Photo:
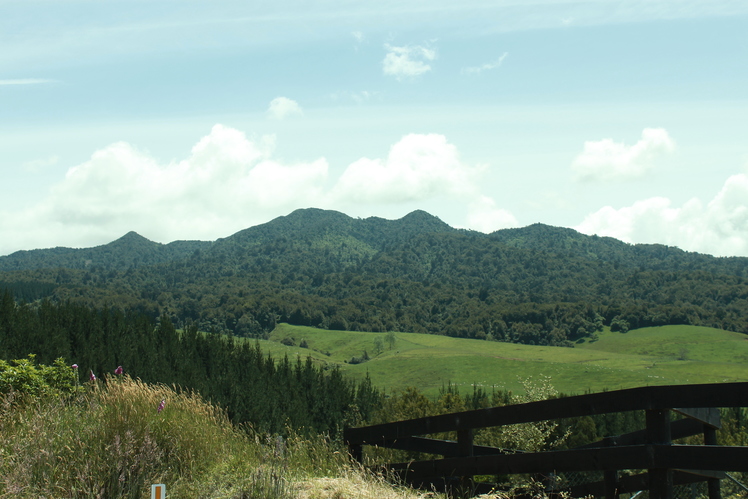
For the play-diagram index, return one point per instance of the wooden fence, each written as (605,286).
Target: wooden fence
(650,449)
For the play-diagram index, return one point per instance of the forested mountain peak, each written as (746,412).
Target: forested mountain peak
(560,240)
(308,222)
(555,237)
(130,250)
(415,223)
(317,224)
(425,220)
(132,240)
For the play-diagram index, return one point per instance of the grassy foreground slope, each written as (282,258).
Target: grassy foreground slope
(648,356)
(113,438)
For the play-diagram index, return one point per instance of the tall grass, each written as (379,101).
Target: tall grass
(110,441)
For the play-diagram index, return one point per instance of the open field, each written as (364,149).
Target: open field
(680,342)
(649,356)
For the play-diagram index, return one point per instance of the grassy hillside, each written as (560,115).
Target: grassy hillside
(648,356)
(677,342)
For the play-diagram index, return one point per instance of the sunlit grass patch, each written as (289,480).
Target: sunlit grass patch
(649,356)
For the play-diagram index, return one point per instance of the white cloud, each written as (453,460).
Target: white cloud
(719,228)
(359,36)
(485,216)
(605,160)
(227,183)
(418,167)
(487,66)
(407,61)
(283,107)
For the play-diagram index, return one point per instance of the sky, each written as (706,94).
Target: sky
(181,119)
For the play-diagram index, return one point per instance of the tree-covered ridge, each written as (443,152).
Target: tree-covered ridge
(562,241)
(131,250)
(537,285)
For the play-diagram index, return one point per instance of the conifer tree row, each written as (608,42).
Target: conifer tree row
(232,372)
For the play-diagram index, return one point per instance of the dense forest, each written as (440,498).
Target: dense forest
(232,373)
(535,285)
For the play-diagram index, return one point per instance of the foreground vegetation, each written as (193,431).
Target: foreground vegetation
(113,438)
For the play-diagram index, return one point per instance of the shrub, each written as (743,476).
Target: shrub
(360,360)
(619,324)
(25,377)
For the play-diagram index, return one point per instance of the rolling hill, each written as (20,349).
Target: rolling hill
(648,356)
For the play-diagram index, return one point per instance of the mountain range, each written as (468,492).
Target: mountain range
(133,250)
(537,284)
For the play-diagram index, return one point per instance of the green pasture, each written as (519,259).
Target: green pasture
(676,342)
(649,356)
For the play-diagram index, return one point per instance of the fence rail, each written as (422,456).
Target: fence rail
(650,449)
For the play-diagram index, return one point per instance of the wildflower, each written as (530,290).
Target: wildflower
(74,366)
(92,376)
(161,405)
(119,370)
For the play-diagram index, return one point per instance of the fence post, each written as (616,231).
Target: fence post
(465,449)
(710,438)
(356,452)
(465,443)
(658,432)
(610,476)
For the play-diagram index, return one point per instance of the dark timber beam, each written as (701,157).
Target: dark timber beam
(683,457)
(643,398)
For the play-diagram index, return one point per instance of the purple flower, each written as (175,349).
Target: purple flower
(119,370)
(161,405)
(92,376)
(74,366)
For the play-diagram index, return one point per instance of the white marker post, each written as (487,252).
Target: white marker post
(158,491)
